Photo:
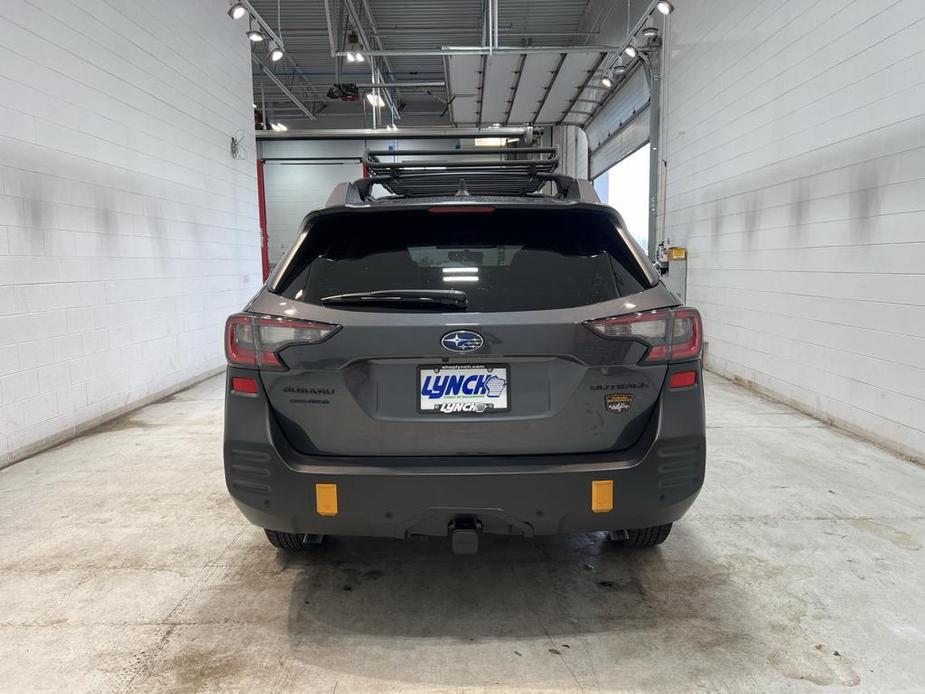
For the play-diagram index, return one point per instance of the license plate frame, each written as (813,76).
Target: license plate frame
(468,369)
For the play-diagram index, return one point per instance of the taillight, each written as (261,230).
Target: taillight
(686,334)
(256,340)
(672,334)
(240,344)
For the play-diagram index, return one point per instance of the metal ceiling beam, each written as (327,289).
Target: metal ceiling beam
(510,106)
(330,27)
(555,75)
(485,50)
(449,88)
(412,132)
(283,88)
(400,85)
(373,29)
(508,31)
(368,51)
(478,120)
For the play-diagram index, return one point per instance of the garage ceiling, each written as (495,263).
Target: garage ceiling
(548,52)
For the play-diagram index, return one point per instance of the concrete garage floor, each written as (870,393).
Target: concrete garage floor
(124,566)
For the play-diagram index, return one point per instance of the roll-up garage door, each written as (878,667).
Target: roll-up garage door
(298,178)
(621,126)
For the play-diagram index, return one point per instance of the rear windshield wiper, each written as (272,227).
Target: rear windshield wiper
(442,298)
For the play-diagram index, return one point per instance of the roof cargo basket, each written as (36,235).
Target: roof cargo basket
(495,171)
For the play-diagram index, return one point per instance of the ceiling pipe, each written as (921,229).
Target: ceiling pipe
(330,27)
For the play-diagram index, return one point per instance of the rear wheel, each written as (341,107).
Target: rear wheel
(643,537)
(292,542)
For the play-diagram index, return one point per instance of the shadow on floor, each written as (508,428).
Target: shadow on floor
(513,588)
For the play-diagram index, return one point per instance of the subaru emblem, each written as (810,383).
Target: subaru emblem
(462,341)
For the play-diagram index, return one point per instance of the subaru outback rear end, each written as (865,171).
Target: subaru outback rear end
(464,364)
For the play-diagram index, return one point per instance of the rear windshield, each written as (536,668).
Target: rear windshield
(505,260)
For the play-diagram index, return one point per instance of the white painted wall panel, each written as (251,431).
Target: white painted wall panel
(127,231)
(796,178)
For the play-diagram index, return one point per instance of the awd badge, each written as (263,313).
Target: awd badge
(618,402)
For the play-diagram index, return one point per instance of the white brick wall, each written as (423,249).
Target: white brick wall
(127,231)
(796,178)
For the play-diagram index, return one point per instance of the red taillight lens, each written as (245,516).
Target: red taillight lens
(240,343)
(275,333)
(255,340)
(672,335)
(248,386)
(686,334)
(683,379)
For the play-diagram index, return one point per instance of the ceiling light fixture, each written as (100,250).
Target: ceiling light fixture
(619,68)
(375,100)
(630,51)
(237,10)
(650,31)
(359,57)
(351,58)
(278,127)
(664,7)
(255,35)
(607,80)
(275,52)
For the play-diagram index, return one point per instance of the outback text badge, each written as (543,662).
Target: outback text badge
(618,402)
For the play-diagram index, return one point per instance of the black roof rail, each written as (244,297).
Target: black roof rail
(516,171)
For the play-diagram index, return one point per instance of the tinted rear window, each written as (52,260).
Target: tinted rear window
(506,260)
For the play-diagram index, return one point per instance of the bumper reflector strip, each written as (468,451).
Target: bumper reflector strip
(602,496)
(683,379)
(248,386)
(326,499)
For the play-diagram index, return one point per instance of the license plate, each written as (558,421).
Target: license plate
(463,389)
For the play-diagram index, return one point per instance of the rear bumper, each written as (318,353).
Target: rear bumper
(654,482)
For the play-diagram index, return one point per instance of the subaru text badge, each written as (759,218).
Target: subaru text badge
(462,341)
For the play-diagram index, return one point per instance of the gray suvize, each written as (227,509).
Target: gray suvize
(435,363)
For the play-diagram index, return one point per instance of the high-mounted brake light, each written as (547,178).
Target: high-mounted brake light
(461,209)
(672,334)
(256,340)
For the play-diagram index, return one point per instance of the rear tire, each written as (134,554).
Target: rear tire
(645,537)
(292,542)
